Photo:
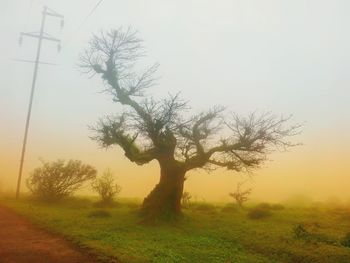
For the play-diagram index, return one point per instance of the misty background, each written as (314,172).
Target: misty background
(287,57)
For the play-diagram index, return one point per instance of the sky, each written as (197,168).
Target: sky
(287,57)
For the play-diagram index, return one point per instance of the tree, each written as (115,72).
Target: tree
(106,187)
(56,180)
(241,196)
(160,130)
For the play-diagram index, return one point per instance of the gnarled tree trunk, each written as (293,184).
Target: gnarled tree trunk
(164,201)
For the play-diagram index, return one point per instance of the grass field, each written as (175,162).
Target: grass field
(207,233)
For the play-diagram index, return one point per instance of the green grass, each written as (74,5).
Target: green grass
(207,233)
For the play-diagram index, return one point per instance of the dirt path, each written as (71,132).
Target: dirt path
(23,242)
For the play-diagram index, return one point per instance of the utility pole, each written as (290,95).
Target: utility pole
(40,36)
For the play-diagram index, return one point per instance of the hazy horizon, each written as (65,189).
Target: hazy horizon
(287,57)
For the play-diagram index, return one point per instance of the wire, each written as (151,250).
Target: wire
(83,22)
(28,15)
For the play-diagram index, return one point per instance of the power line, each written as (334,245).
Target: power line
(83,22)
(28,15)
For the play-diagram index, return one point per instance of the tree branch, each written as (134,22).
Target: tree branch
(250,141)
(112,131)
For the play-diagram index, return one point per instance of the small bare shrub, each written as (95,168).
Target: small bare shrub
(106,187)
(186,198)
(241,196)
(56,180)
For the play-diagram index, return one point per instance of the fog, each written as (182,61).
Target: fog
(287,57)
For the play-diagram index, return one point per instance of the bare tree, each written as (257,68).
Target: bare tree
(158,130)
(241,196)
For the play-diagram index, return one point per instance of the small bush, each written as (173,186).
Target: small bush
(56,180)
(99,214)
(106,187)
(346,240)
(259,212)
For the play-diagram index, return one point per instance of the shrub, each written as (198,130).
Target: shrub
(99,213)
(346,240)
(259,212)
(56,180)
(106,187)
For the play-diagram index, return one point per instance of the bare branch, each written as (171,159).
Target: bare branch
(111,131)
(135,85)
(196,134)
(251,140)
